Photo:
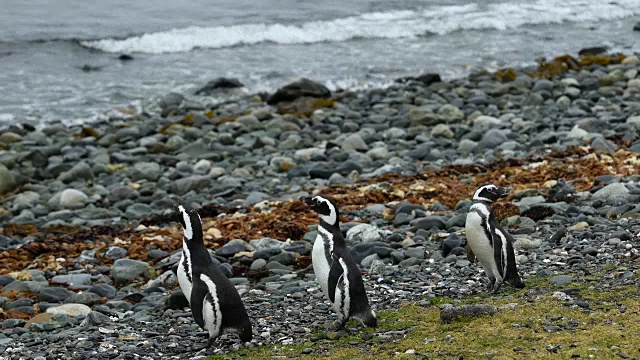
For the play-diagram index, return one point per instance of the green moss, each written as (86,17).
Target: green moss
(440,300)
(611,326)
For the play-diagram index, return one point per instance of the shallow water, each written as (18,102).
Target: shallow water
(180,46)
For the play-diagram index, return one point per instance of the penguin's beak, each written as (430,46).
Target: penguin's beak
(503,192)
(307,200)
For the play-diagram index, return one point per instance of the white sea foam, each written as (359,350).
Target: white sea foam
(6,117)
(392,24)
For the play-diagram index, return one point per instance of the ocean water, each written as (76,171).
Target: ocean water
(179,46)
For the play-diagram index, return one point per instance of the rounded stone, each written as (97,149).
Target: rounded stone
(72,310)
(73,199)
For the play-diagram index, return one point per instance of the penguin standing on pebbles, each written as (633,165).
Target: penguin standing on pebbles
(335,269)
(215,302)
(491,244)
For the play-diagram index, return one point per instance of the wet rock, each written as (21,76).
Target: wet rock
(428,79)
(218,84)
(171,100)
(300,88)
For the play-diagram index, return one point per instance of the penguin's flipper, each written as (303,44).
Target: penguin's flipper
(335,273)
(198,295)
(511,276)
(498,253)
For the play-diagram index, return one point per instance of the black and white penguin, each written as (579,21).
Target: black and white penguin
(335,269)
(215,302)
(490,243)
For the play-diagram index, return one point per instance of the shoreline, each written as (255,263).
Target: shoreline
(401,163)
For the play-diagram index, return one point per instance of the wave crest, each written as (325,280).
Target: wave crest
(438,20)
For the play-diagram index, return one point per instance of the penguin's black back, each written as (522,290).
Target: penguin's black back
(359,302)
(234,314)
(511,274)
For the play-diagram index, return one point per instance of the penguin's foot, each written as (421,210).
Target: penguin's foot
(497,287)
(339,324)
(210,342)
(491,284)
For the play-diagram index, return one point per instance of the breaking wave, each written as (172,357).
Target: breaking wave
(437,20)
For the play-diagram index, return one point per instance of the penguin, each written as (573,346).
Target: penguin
(489,242)
(215,302)
(336,271)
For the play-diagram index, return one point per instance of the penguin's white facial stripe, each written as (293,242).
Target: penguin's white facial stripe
(332,216)
(214,324)
(188,229)
(477,195)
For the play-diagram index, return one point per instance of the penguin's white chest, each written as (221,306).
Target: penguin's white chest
(478,241)
(211,308)
(321,266)
(183,278)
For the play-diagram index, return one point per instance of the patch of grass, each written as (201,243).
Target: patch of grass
(537,282)
(440,300)
(521,332)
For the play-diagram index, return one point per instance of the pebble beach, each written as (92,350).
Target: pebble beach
(89,235)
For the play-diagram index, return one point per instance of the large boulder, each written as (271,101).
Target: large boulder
(297,89)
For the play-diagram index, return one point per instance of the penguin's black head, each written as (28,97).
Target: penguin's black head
(191,223)
(324,206)
(490,193)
